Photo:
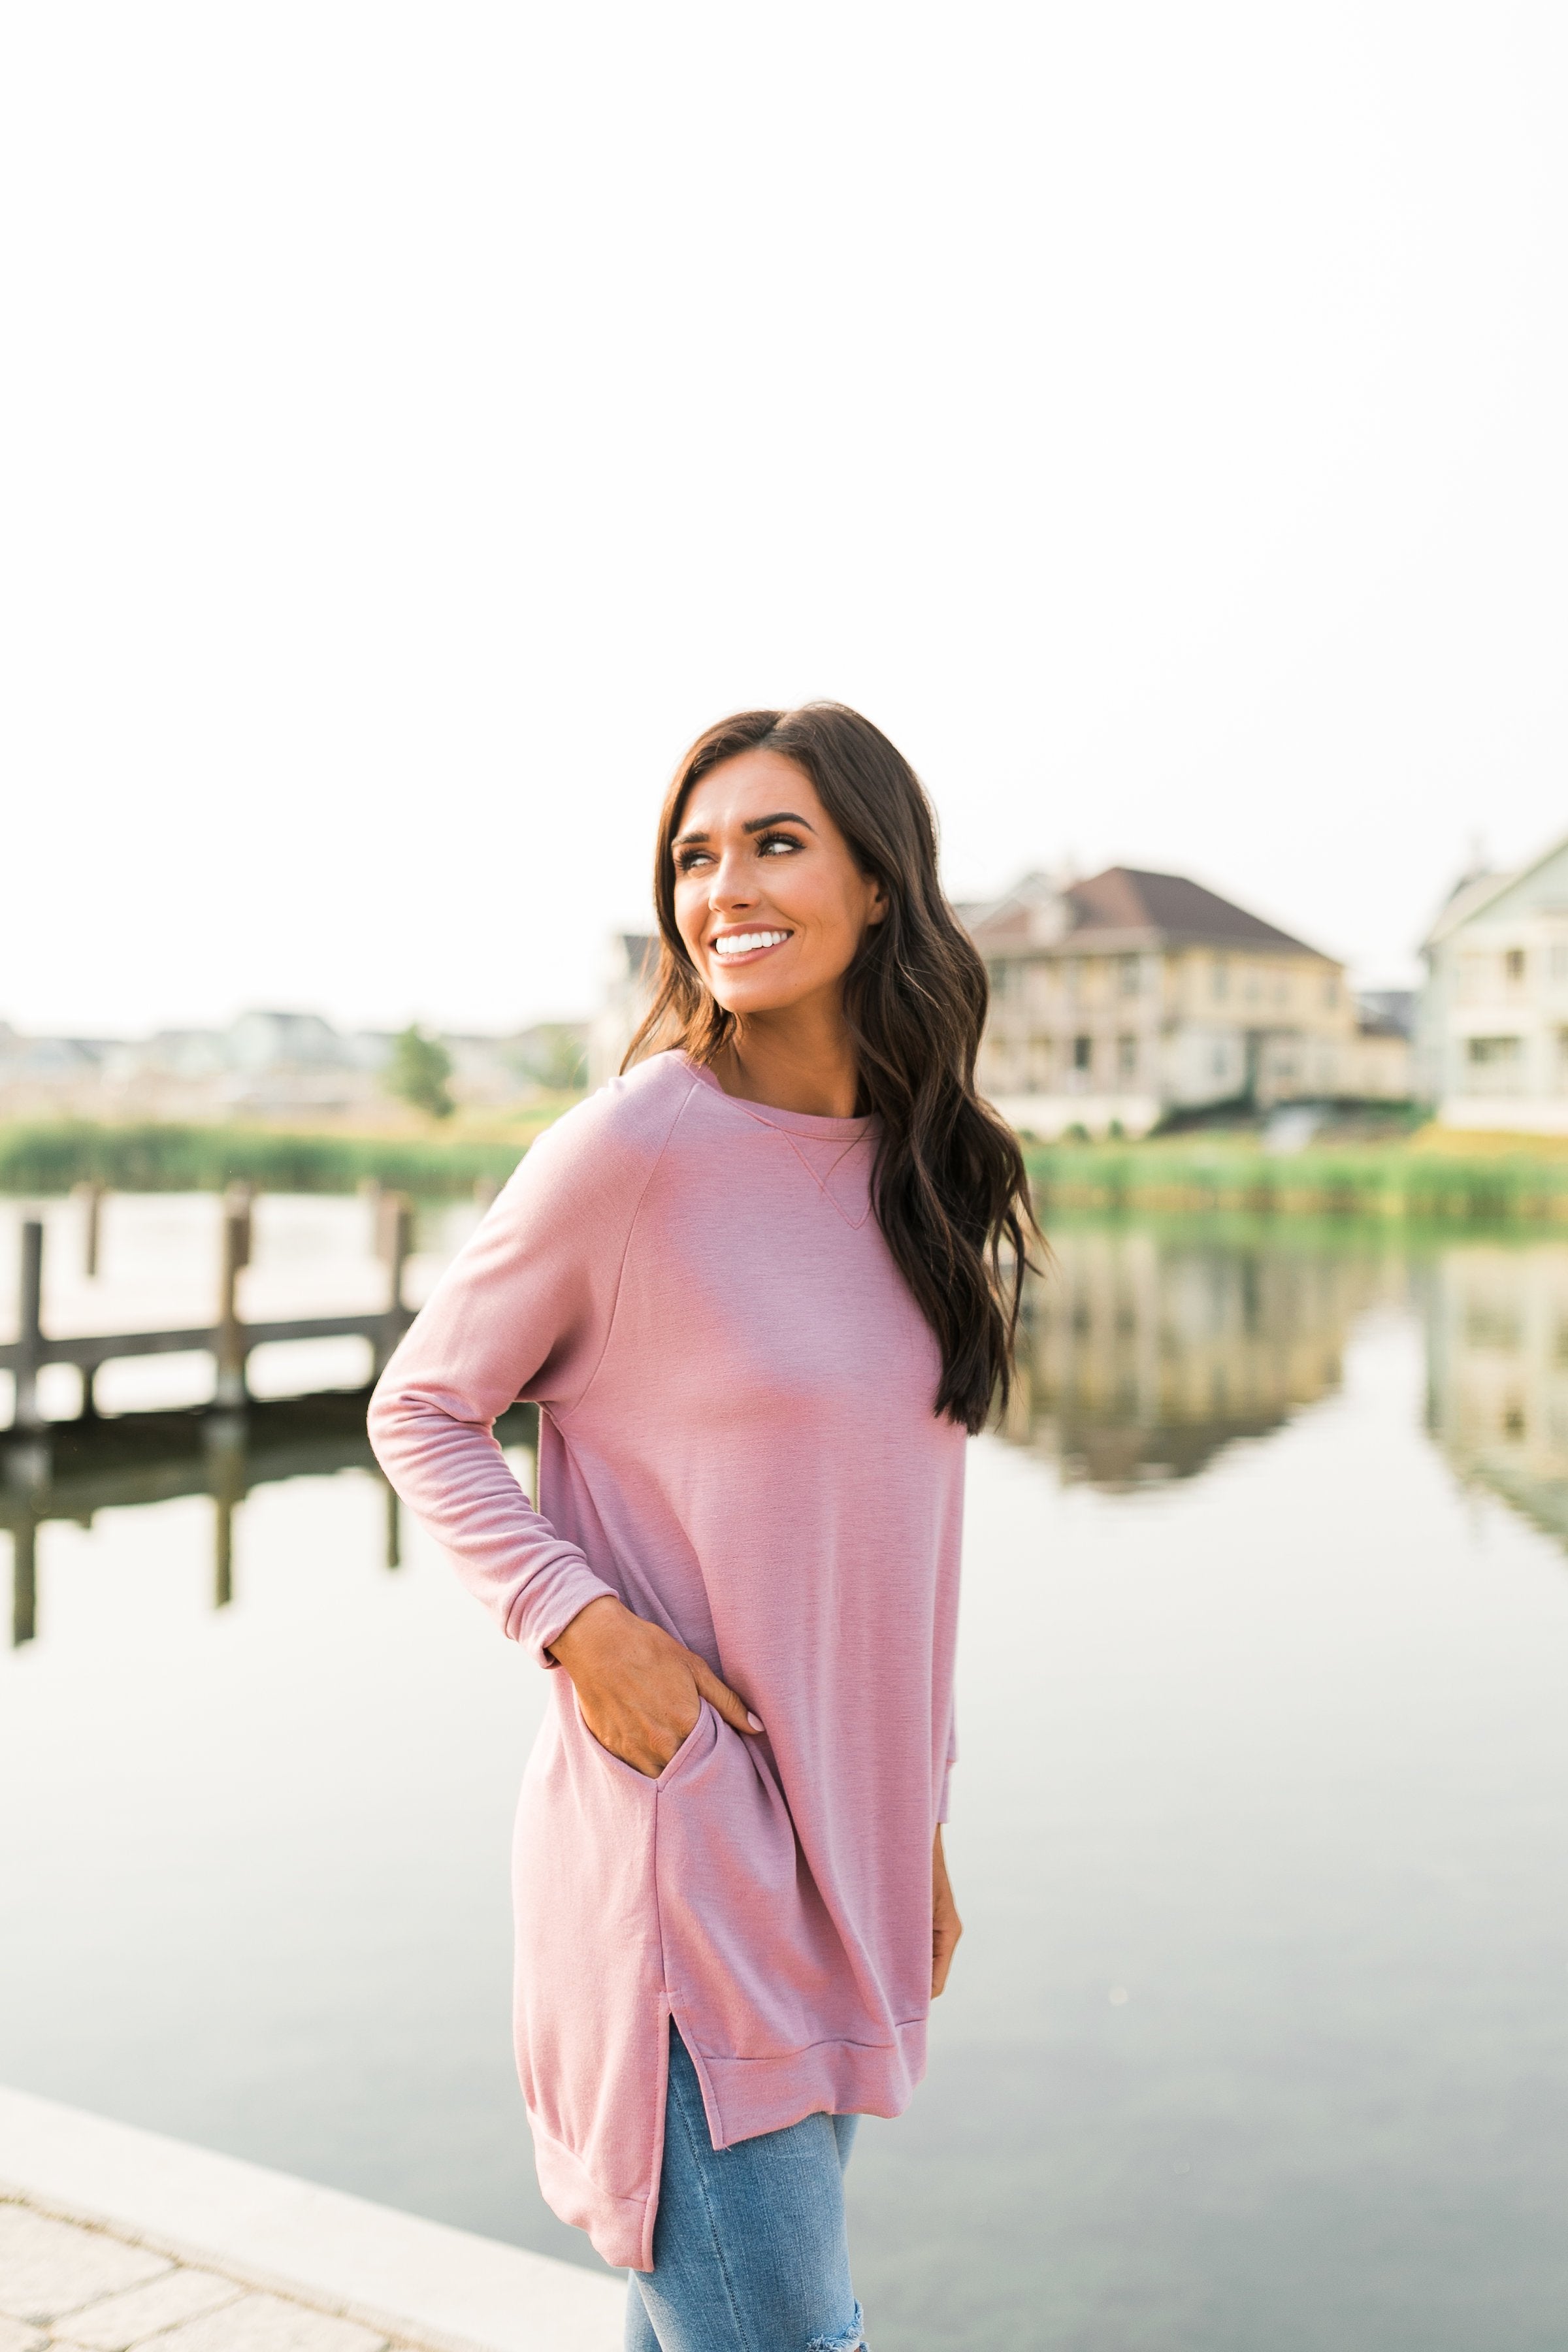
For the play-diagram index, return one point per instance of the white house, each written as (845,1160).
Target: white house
(630,962)
(1493,1026)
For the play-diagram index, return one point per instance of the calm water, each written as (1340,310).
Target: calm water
(1259,2034)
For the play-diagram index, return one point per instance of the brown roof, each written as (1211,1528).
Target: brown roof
(1124,898)
(1136,908)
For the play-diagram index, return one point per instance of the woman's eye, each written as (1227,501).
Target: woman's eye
(689,860)
(773,842)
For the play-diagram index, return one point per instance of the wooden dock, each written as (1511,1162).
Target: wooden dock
(228,1341)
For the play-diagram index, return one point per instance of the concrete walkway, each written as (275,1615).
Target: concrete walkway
(112,2237)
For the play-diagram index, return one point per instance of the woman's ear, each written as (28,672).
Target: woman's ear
(877,906)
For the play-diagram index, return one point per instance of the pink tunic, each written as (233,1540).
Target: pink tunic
(737,1438)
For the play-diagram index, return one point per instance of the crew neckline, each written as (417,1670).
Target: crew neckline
(793,1123)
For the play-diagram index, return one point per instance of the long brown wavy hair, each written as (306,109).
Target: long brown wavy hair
(950,1188)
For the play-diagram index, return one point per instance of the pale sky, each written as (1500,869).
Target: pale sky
(418,421)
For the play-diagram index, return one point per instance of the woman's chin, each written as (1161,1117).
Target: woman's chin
(747,994)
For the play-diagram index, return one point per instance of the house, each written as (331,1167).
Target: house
(1119,999)
(629,967)
(1492,1032)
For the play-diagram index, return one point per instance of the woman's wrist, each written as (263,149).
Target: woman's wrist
(581,1634)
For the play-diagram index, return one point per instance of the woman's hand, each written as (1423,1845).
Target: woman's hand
(946,1927)
(640,1690)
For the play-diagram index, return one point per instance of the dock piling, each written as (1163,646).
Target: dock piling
(26,1414)
(25,1584)
(224,1443)
(90,1195)
(398,1244)
(229,1389)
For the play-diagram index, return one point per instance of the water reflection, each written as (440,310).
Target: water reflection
(1147,1349)
(1255,1821)
(76,1469)
(1497,1356)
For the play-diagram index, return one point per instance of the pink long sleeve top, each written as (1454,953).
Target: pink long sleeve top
(737,1438)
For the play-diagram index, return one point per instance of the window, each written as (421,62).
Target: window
(1082,1053)
(1331,990)
(1495,1065)
(1221,977)
(1513,967)
(1557,959)
(1127,1057)
(1001,979)
(1131,974)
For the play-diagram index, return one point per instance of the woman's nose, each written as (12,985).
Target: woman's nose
(732,884)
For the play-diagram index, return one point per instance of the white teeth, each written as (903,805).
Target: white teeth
(740,943)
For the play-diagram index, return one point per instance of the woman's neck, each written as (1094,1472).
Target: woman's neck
(799,1063)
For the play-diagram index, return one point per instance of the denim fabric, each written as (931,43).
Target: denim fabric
(749,2250)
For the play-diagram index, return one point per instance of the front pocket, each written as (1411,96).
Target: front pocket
(647,1780)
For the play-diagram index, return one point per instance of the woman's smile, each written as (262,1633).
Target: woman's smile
(746,947)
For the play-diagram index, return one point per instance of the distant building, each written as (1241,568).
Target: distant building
(1119,999)
(630,963)
(271,1064)
(1492,1034)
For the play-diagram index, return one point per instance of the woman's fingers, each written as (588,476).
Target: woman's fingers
(721,1697)
(944,1936)
(639,1688)
(946,1927)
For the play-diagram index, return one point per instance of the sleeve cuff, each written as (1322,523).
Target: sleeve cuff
(545,1616)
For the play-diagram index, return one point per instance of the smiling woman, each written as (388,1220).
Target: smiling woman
(755,1287)
(810,957)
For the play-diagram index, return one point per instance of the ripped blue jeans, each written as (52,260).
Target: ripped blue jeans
(750,2253)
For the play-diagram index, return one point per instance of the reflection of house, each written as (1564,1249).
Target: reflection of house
(1494,1012)
(1117,999)
(629,968)
(1497,1352)
(1143,1354)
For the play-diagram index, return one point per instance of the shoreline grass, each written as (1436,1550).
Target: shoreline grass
(1432,1178)
(1407,1182)
(42,1158)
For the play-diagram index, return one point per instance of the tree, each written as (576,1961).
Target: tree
(418,1071)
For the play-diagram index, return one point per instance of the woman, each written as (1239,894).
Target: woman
(756,1286)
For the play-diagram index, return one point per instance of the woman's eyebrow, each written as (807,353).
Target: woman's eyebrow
(754,824)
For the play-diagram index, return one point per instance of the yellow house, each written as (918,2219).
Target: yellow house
(1119,998)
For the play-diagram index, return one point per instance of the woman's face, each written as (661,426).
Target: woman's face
(768,899)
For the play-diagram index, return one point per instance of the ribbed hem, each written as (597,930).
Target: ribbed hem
(743,2096)
(618,2228)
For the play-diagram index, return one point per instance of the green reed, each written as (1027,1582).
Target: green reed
(51,1157)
